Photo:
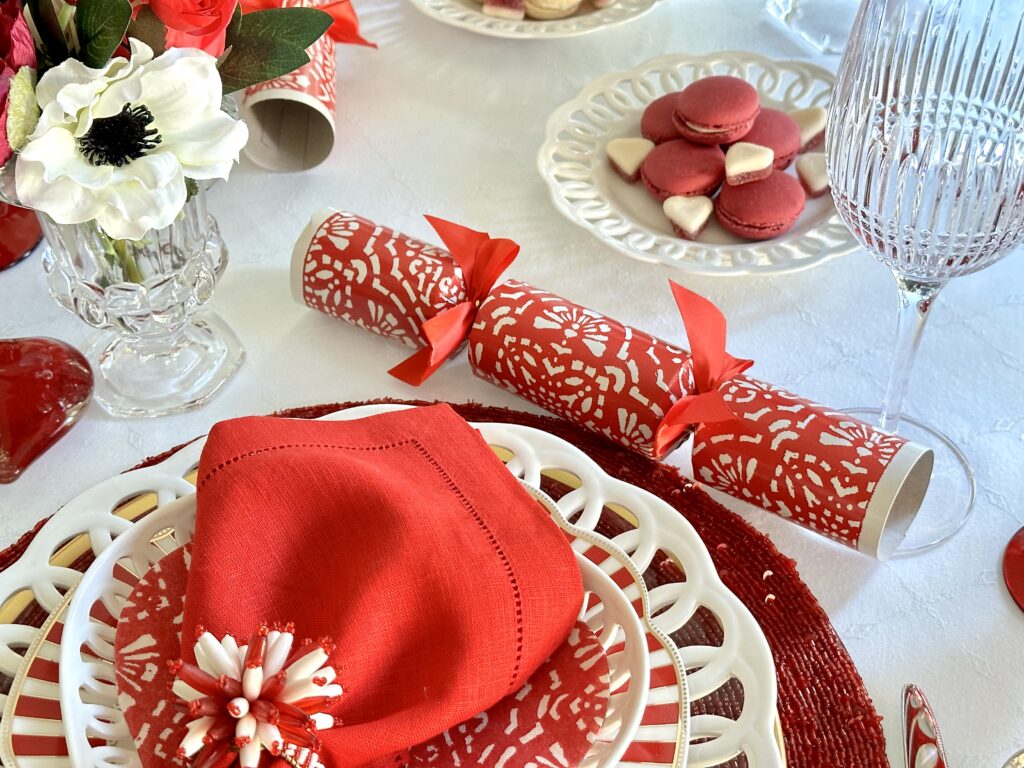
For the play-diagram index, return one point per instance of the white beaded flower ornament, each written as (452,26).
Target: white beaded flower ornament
(269,696)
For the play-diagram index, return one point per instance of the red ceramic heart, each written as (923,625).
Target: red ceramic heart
(19,234)
(1013,568)
(44,384)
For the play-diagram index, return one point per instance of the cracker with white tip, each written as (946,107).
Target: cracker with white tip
(746,162)
(813,174)
(627,155)
(811,122)
(688,215)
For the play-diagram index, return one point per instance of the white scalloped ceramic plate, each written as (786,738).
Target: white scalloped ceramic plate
(467,15)
(586,190)
(89,522)
(97,735)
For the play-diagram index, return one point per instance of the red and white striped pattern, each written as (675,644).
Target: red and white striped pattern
(655,743)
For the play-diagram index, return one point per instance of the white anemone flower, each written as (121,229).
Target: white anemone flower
(116,144)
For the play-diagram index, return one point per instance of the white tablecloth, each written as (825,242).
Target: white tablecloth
(443,121)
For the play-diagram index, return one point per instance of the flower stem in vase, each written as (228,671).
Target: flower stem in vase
(121,263)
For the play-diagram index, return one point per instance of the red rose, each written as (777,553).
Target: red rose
(195,23)
(16,51)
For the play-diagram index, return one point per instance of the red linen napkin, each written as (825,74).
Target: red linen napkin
(402,540)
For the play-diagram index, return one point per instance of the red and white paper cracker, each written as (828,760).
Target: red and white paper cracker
(827,471)
(291,118)
(579,364)
(373,277)
(555,717)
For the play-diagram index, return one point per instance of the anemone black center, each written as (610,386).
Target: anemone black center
(120,138)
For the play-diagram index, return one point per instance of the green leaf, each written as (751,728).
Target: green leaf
(234,27)
(268,44)
(191,188)
(298,26)
(101,26)
(149,29)
(250,64)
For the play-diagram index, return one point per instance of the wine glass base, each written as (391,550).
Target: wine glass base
(950,498)
(138,383)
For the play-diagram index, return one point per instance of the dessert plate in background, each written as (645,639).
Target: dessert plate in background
(624,216)
(468,14)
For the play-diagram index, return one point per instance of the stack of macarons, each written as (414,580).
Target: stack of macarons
(713,149)
(541,10)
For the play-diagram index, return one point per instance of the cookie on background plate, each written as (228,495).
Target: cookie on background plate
(813,173)
(763,209)
(811,122)
(656,123)
(551,9)
(716,110)
(681,167)
(510,10)
(626,155)
(746,162)
(780,132)
(688,215)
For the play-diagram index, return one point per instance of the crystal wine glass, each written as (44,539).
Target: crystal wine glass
(925,150)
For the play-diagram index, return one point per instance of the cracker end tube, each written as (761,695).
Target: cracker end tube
(822,469)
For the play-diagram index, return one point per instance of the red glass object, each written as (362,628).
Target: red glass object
(19,234)
(1013,568)
(44,384)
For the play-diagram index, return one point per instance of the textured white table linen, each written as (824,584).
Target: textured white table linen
(446,122)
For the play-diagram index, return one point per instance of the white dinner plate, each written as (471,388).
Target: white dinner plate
(92,708)
(587,191)
(467,14)
(743,657)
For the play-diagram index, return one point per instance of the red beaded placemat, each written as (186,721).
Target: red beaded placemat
(827,717)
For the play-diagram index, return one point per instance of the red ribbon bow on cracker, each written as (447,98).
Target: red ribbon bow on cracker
(712,367)
(344,27)
(482,260)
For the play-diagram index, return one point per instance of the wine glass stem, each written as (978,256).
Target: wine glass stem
(916,298)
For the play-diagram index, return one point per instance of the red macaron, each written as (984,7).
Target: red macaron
(681,167)
(763,209)
(777,131)
(656,123)
(716,110)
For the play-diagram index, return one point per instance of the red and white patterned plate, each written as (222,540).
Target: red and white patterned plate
(555,717)
(112,584)
(717,735)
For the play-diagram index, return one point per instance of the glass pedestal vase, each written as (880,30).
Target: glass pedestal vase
(156,351)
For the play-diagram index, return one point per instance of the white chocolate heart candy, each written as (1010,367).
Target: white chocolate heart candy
(689,215)
(627,155)
(813,174)
(746,162)
(811,122)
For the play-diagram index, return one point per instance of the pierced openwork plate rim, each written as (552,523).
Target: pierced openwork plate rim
(457,13)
